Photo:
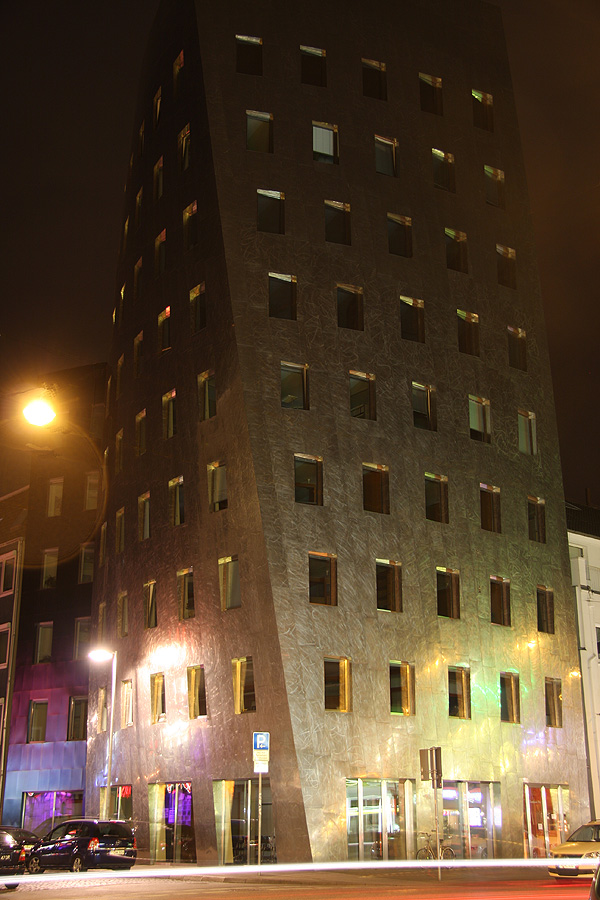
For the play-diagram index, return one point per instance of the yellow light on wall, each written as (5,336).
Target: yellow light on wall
(39,413)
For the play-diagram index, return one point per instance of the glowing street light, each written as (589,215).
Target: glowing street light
(39,412)
(101,655)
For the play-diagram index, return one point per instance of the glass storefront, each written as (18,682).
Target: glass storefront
(172,836)
(44,809)
(545,817)
(236,820)
(121,806)
(376,818)
(472,818)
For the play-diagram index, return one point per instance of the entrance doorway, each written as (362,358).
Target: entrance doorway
(472,818)
(378,818)
(236,820)
(545,815)
(172,837)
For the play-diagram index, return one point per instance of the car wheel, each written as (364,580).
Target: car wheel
(34,865)
(77,864)
(11,886)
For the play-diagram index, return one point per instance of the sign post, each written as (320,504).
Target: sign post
(431,767)
(260,754)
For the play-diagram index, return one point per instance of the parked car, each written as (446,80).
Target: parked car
(12,856)
(27,838)
(80,844)
(584,844)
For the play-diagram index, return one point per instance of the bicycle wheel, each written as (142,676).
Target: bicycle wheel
(424,853)
(448,853)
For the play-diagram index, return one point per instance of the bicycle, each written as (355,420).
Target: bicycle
(428,851)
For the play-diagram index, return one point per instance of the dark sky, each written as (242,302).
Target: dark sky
(70,70)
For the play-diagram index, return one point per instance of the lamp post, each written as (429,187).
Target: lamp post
(101,655)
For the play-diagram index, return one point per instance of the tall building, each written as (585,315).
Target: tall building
(335,509)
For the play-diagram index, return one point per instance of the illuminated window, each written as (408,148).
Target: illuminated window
(158,706)
(119,378)
(184,148)
(553,690)
(196,692)
(282,296)
(144,517)
(86,563)
(55,496)
(138,354)
(164,329)
(244,697)
(424,406)
(479,419)
(386,155)
(483,110)
(350,307)
(229,583)
(7,573)
(140,433)
(510,705)
(126,703)
(402,689)
(50,568)
(185,591)
(308,479)
(118,451)
(198,308)
(138,207)
(457,255)
(545,609)
(443,170)
(489,501)
(527,432)
(169,416)
(137,279)
(122,614)
(157,179)
(120,530)
(412,319)
(325,142)
(77,728)
(38,716)
(217,486)
(399,235)
(322,579)
(150,619)
(494,186)
(92,486)
(156,106)
(362,395)
(500,601)
(536,515)
(178,70)
(336,684)
(468,332)
(270,211)
(459,692)
(436,498)
(259,131)
(376,492)
(82,637)
(160,252)
(337,222)
(207,396)
(248,55)
(313,66)
(517,348)
(448,592)
(388,576)
(190,226)
(102,549)
(374,79)
(294,386)
(43,642)
(430,92)
(176,501)
(102,711)
(507,266)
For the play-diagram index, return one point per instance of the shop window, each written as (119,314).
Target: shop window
(436,498)
(374,79)
(362,395)
(38,717)
(47,808)
(82,637)
(448,592)
(157,179)
(150,618)
(78,710)
(118,451)
(308,479)
(459,692)
(160,252)
(336,684)
(412,319)
(248,55)
(158,706)
(185,591)
(217,486)
(322,579)
(430,92)
(402,689)
(55,496)
(443,170)
(536,516)
(140,433)
(270,211)
(399,235)
(386,156)
(489,501)
(7,573)
(122,615)
(313,66)
(178,74)
(196,692)
(207,396)
(500,601)
(184,148)
(282,296)
(43,642)
(244,697)
(517,348)
(126,703)
(190,225)
(259,131)
(229,583)
(376,489)
(156,107)
(169,417)
(553,688)
(350,307)
(325,142)
(545,609)
(527,432)
(388,580)
(468,332)
(86,563)
(138,354)
(510,704)
(494,186)
(102,711)
(294,386)
(337,222)
(137,279)
(50,568)
(92,486)
(483,110)
(144,517)
(479,419)
(457,253)
(507,266)
(424,406)
(197,308)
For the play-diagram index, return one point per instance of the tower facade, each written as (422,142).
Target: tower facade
(335,508)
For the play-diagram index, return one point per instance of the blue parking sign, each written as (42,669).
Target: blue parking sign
(261,740)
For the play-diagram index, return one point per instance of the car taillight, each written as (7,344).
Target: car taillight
(22,855)
(134,843)
(93,844)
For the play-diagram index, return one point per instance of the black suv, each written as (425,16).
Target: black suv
(12,855)
(80,844)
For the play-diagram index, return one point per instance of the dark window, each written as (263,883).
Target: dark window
(526,423)
(448,593)
(536,515)
(322,579)
(198,308)
(443,170)
(185,589)
(325,143)
(160,253)
(78,708)
(184,148)
(553,688)
(402,689)
(376,494)
(294,386)
(500,601)
(190,226)
(457,255)
(38,716)
(436,498)
(350,307)
(489,499)
(389,585)
(399,235)
(308,480)
(483,110)
(423,406)
(510,706)
(362,395)
(207,396)
(313,66)
(479,419)
(430,91)
(412,319)
(337,222)
(468,332)
(282,296)
(244,695)
(196,692)
(259,131)
(374,79)
(517,348)
(150,620)
(336,684)
(270,211)
(386,155)
(459,693)
(248,55)
(507,266)
(545,609)
(494,186)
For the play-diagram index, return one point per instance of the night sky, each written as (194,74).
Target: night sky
(70,73)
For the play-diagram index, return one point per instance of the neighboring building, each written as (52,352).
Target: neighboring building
(336,507)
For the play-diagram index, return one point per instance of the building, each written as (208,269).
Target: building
(335,511)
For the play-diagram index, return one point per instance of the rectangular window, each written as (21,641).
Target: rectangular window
(43,642)
(86,563)
(510,704)
(178,73)
(160,252)
(126,703)
(308,479)
(322,579)
(50,568)
(483,110)
(217,486)
(336,684)
(164,329)
(350,307)
(122,614)
(479,419)
(169,417)
(144,517)
(313,66)
(207,396)
(158,705)
(119,378)
(55,496)
(443,170)
(459,692)
(436,498)
(101,627)
(140,433)
(270,211)
(156,105)
(248,55)
(92,487)
(4,646)
(527,432)
(229,583)
(282,296)
(137,279)
(489,502)
(457,253)
(244,697)
(196,692)
(424,406)
(197,308)
(118,451)
(7,573)
(259,131)
(294,386)
(176,501)
(184,148)
(138,208)
(536,516)
(399,235)
(82,637)
(325,142)
(102,711)
(468,332)
(448,593)
(388,578)
(157,180)
(500,601)
(337,222)
(386,155)
(412,319)
(185,590)
(362,395)
(507,266)
(402,689)
(553,703)
(78,710)
(374,79)
(190,226)
(102,548)
(150,619)
(517,348)
(138,354)
(38,716)
(494,186)
(430,92)
(545,609)
(376,488)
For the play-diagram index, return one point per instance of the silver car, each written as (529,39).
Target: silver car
(583,844)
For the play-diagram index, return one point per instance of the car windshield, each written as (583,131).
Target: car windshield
(586,834)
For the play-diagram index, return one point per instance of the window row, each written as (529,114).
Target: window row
(44,631)
(38,721)
(49,569)
(54,506)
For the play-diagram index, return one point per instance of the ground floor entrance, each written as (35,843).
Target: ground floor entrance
(172,834)
(545,816)
(379,818)
(236,805)
(472,818)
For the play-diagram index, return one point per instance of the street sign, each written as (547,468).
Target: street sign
(260,750)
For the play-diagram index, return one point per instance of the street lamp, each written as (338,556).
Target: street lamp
(101,655)
(39,412)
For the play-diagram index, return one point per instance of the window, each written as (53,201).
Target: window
(248,55)
(185,591)
(294,386)
(386,155)
(259,131)
(282,296)
(448,592)
(494,186)
(140,433)
(122,615)
(126,704)
(545,609)
(443,170)
(457,256)
(137,279)
(82,637)
(517,348)
(350,307)
(43,642)
(138,354)
(7,573)
(78,710)
(164,329)
(244,697)
(229,583)
(55,496)
(190,226)
(322,579)
(4,645)
(388,576)
(483,110)
(157,180)
(362,395)
(412,319)
(424,406)
(158,706)
(527,432)
(536,516)
(325,142)
(184,148)
(86,563)
(119,378)
(150,620)
(144,517)
(468,332)
(374,79)
(118,451)
(196,692)
(337,222)
(402,689)
(270,211)
(102,548)
(101,628)
(197,308)
(156,105)
(336,684)
(459,692)
(376,496)
(207,396)
(138,207)
(510,705)
(217,486)
(102,711)
(500,601)
(553,703)
(489,501)
(49,568)
(436,498)
(479,419)
(160,252)
(176,501)
(399,235)
(507,266)
(92,485)
(313,66)
(125,232)
(38,716)
(168,414)
(308,479)
(430,91)
(178,70)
